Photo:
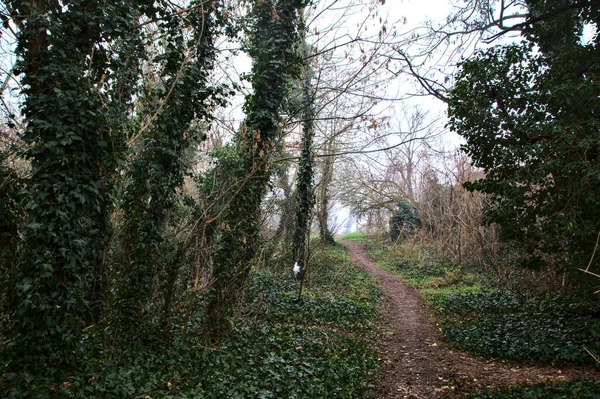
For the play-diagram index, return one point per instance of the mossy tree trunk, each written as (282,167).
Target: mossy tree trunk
(157,172)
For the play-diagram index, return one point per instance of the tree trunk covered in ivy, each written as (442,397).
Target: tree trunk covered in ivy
(158,172)
(323,197)
(272,40)
(304,187)
(57,278)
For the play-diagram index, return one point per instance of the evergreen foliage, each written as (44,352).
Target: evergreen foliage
(63,59)
(106,147)
(404,221)
(297,345)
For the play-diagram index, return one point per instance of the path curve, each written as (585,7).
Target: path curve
(416,363)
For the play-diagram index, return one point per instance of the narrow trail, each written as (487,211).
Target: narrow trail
(416,363)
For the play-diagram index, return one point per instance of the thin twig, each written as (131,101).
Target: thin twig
(591,354)
(593,253)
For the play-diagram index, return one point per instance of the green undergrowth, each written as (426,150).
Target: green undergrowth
(278,348)
(336,295)
(551,329)
(359,236)
(558,328)
(425,270)
(589,389)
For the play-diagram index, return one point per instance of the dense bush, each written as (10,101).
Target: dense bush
(404,221)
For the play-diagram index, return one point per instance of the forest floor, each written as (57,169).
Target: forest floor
(417,363)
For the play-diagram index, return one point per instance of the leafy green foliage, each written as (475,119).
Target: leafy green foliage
(58,278)
(546,329)
(269,361)
(528,113)
(110,119)
(587,389)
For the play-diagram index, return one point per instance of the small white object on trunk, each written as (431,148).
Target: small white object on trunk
(296,269)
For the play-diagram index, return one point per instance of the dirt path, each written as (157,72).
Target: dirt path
(415,363)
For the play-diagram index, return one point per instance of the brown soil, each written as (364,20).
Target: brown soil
(416,363)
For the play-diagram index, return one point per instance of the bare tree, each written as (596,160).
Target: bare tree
(372,183)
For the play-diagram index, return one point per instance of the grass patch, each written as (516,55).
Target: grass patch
(278,348)
(358,236)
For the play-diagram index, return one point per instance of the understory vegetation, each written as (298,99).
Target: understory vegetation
(573,390)
(278,347)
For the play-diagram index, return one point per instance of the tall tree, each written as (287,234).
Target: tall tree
(63,61)
(272,45)
(304,186)
(157,172)
(529,113)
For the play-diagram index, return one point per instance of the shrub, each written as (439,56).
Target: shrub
(404,221)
